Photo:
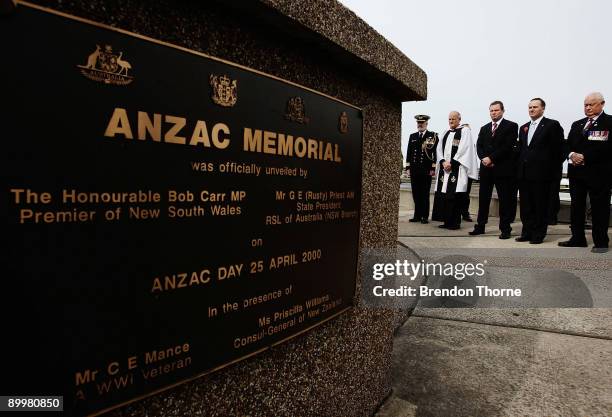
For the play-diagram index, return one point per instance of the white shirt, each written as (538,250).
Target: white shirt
(532,128)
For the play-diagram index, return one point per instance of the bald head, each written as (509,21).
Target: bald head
(593,104)
(454,118)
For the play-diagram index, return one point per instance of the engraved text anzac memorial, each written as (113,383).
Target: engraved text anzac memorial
(165,213)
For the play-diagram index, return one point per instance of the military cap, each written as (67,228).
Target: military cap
(421,118)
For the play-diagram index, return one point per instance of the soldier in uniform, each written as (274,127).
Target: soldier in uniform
(421,159)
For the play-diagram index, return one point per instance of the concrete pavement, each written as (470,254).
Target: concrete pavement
(507,361)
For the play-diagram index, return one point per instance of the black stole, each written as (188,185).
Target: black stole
(454,174)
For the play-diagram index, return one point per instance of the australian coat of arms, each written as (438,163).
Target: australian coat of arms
(224,90)
(105,66)
(296,112)
(343,122)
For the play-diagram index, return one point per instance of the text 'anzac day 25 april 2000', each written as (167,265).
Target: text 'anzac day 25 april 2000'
(163,217)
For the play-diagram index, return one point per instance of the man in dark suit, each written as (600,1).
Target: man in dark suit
(590,162)
(497,168)
(555,201)
(421,157)
(541,150)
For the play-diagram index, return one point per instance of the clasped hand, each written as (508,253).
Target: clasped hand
(577,158)
(487,162)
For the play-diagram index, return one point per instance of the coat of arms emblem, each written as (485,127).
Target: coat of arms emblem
(106,66)
(296,111)
(224,90)
(343,122)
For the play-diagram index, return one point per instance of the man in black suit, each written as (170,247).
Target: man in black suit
(541,150)
(590,161)
(555,201)
(497,168)
(421,157)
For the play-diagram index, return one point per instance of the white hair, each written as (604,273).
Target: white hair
(455,112)
(596,95)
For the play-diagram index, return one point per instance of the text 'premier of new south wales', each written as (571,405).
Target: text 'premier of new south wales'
(170,219)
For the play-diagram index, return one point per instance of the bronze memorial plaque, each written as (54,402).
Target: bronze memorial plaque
(164,213)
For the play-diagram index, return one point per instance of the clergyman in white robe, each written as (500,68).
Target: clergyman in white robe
(466,155)
(453,185)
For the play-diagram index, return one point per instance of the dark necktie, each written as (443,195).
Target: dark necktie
(494,129)
(420,135)
(588,125)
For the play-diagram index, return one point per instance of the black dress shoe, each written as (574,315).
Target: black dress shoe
(504,235)
(413,220)
(477,231)
(424,221)
(455,227)
(523,239)
(599,249)
(536,241)
(572,244)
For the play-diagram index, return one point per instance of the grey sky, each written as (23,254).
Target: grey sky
(477,51)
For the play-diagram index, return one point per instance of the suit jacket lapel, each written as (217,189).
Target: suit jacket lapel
(596,125)
(598,122)
(501,125)
(538,130)
(583,123)
(523,135)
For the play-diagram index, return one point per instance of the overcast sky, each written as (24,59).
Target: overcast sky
(477,51)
